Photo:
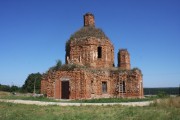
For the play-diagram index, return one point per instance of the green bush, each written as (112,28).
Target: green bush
(33,78)
(162,94)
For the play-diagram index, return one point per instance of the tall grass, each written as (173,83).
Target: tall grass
(2,93)
(167,102)
(158,111)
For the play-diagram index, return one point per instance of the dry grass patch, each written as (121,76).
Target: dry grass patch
(2,93)
(167,102)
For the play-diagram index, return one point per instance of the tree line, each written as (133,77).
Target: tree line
(32,82)
(8,88)
(166,90)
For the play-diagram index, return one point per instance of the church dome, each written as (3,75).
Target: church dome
(89,46)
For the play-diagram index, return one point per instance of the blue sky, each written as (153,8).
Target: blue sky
(33,35)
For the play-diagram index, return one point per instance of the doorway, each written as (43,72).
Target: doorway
(65,90)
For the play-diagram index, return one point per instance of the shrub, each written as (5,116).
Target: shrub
(162,94)
(89,32)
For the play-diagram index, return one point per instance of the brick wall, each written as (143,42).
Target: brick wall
(124,59)
(89,19)
(85,52)
(87,83)
(90,47)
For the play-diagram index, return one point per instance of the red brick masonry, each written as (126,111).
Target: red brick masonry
(91,72)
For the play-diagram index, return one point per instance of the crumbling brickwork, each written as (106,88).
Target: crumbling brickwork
(85,52)
(124,59)
(86,83)
(89,71)
(89,20)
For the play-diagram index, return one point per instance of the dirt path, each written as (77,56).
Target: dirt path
(42,103)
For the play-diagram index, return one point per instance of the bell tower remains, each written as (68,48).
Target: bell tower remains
(89,20)
(124,59)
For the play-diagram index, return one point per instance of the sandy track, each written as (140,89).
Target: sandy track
(42,103)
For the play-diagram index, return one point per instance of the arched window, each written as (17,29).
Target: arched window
(99,50)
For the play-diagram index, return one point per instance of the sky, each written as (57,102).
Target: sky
(33,34)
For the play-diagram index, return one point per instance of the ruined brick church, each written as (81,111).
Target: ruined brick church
(89,71)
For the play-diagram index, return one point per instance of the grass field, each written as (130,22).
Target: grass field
(167,109)
(162,109)
(20,96)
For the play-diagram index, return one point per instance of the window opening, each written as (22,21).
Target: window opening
(122,88)
(104,87)
(92,87)
(99,52)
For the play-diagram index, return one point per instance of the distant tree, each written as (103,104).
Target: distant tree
(8,88)
(14,88)
(162,94)
(34,78)
(5,88)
